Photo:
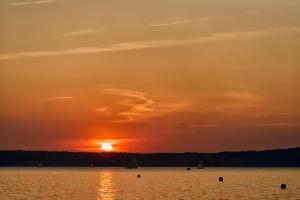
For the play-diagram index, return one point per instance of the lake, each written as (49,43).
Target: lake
(154,183)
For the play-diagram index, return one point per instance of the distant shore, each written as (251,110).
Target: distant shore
(269,158)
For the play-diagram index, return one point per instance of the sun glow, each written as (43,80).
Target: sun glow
(106,147)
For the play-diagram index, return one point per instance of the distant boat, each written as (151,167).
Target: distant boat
(201,164)
(132,165)
(40,165)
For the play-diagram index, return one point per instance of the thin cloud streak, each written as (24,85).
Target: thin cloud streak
(199,126)
(279,125)
(202,125)
(82,32)
(137,106)
(199,19)
(136,45)
(135,110)
(236,102)
(189,21)
(101,109)
(58,98)
(26,3)
(243,97)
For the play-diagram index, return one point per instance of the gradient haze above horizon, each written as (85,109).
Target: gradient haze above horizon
(149,76)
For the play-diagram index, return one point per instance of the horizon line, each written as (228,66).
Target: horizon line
(121,152)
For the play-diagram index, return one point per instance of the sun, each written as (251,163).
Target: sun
(106,146)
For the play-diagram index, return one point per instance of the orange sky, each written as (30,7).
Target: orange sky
(149,76)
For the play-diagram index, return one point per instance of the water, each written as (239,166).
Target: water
(155,183)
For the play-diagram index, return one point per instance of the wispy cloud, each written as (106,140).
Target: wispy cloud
(238,100)
(277,114)
(243,96)
(137,106)
(198,19)
(135,45)
(196,126)
(101,109)
(82,32)
(188,21)
(105,111)
(279,125)
(26,3)
(58,98)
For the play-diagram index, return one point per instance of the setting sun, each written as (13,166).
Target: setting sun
(106,147)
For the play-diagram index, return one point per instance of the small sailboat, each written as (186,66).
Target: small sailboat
(132,165)
(201,164)
(40,165)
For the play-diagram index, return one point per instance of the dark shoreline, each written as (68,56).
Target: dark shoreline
(269,158)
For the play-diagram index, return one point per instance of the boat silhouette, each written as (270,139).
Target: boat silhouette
(132,164)
(40,165)
(201,164)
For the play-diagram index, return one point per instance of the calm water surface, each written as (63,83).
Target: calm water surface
(155,183)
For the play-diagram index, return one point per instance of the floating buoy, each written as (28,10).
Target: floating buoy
(283,186)
(139,176)
(221,179)
(188,168)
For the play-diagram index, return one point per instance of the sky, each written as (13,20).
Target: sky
(149,76)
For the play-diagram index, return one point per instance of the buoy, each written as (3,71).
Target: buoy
(221,179)
(283,186)
(139,176)
(188,168)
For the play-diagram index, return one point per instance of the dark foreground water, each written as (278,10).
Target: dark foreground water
(155,183)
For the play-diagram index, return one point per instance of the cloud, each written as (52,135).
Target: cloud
(199,19)
(101,109)
(172,23)
(233,102)
(26,3)
(105,111)
(123,92)
(277,114)
(136,45)
(138,106)
(58,98)
(188,21)
(195,126)
(279,125)
(243,96)
(238,100)
(82,32)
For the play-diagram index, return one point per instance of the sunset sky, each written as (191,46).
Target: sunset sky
(149,76)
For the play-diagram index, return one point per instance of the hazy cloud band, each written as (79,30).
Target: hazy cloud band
(26,3)
(135,45)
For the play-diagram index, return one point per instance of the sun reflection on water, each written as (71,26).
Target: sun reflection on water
(105,188)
